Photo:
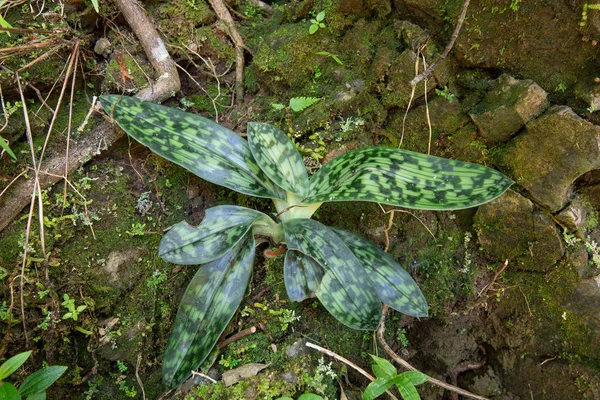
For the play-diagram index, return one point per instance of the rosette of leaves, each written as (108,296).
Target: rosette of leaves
(348,274)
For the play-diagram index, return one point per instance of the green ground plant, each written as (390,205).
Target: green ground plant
(348,274)
(34,386)
(387,376)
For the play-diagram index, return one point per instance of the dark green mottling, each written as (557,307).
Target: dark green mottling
(302,275)
(345,290)
(207,306)
(222,228)
(278,158)
(406,179)
(200,145)
(394,285)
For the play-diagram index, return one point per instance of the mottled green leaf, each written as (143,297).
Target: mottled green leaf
(377,388)
(406,388)
(221,229)
(200,145)
(12,364)
(278,158)
(394,285)
(386,369)
(9,392)
(207,306)
(345,290)
(406,179)
(302,275)
(41,380)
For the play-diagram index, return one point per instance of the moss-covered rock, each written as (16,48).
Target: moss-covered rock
(552,152)
(512,228)
(507,107)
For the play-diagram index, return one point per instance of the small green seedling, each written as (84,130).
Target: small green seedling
(387,376)
(349,275)
(328,54)
(6,148)
(317,23)
(297,104)
(74,312)
(34,386)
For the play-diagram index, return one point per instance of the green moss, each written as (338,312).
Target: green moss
(554,323)
(285,58)
(178,19)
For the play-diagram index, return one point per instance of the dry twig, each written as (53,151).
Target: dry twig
(449,46)
(224,15)
(105,134)
(404,364)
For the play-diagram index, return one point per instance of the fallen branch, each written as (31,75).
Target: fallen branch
(449,46)
(406,365)
(104,135)
(224,16)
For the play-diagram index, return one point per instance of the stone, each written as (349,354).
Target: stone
(574,216)
(296,349)
(548,157)
(398,90)
(507,107)
(585,301)
(289,377)
(117,267)
(103,47)
(246,371)
(512,228)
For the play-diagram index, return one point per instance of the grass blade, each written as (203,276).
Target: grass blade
(406,179)
(200,145)
(207,306)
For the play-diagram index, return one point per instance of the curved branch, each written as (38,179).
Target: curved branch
(406,365)
(104,135)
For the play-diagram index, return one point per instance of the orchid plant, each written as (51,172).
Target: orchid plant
(349,275)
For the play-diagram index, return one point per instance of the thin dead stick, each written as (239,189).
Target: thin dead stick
(347,362)
(105,134)
(74,76)
(13,181)
(449,46)
(27,47)
(59,101)
(391,221)
(237,336)
(137,375)
(88,115)
(42,57)
(489,285)
(20,30)
(208,378)
(526,301)
(412,96)
(404,364)
(238,43)
(6,116)
(427,108)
